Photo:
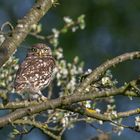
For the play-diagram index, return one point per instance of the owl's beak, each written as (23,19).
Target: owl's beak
(41,52)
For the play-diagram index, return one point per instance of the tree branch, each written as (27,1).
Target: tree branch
(99,71)
(103,117)
(22,29)
(26,103)
(58,103)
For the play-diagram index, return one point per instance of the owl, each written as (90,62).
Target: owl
(35,72)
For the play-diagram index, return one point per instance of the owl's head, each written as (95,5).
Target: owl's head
(40,50)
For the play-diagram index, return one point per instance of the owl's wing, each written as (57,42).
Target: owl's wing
(49,65)
(22,68)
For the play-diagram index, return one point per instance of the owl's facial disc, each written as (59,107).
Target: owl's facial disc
(41,50)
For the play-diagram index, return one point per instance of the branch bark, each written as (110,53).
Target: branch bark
(22,29)
(99,71)
(60,103)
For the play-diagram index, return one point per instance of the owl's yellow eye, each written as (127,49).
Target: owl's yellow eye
(46,49)
(34,49)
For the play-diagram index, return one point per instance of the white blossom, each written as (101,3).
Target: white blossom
(114,113)
(64,72)
(100,122)
(54,118)
(97,110)
(87,89)
(137,121)
(88,71)
(59,53)
(67,20)
(73,71)
(105,80)
(80,70)
(120,130)
(88,104)
(69,65)
(58,75)
(76,59)
(55,32)
(74,28)
(65,120)
(71,84)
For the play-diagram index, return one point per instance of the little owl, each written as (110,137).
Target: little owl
(35,72)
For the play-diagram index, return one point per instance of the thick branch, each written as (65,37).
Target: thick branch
(99,71)
(26,103)
(22,29)
(63,103)
(56,103)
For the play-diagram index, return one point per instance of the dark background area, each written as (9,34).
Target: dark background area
(112,28)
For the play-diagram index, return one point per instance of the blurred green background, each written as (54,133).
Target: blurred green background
(112,28)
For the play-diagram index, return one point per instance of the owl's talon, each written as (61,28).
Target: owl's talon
(42,98)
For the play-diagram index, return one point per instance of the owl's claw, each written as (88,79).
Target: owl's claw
(42,98)
(39,97)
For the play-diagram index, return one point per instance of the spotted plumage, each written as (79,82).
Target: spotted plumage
(35,72)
